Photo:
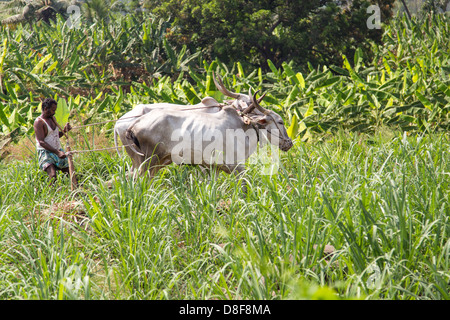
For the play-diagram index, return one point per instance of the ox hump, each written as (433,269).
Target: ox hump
(210,102)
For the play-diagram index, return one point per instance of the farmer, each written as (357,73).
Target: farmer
(51,155)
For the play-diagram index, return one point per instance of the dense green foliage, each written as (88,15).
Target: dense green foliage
(318,32)
(373,184)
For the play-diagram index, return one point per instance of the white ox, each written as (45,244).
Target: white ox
(222,140)
(241,102)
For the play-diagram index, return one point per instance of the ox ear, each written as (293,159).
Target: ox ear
(262,120)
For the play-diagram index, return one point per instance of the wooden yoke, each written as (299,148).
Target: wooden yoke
(73,180)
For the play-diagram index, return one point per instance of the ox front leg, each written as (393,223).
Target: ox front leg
(239,174)
(152,165)
(115,179)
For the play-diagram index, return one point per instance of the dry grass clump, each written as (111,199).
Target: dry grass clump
(71,212)
(25,149)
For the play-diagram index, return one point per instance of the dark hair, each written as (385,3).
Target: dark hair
(48,102)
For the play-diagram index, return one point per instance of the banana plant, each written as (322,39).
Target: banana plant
(2,61)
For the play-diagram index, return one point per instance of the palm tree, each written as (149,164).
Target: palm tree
(11,8)
(34,10)
(406,9)
(97,10)
(436,5)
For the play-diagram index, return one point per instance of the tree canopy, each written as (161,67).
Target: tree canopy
(317,31)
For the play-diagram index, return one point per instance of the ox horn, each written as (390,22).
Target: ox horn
(219,84)
(252,106)
(255,103)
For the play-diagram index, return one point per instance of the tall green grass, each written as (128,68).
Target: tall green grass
(381,201)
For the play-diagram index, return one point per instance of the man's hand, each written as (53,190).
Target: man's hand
(61,154)
(67,127)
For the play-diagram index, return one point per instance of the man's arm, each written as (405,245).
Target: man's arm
(66,129)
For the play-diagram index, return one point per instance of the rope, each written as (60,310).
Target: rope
(204,107)
(102,122)
(107,121)
(93,150)
(132,117)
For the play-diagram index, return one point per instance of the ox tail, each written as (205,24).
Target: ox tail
(133,141)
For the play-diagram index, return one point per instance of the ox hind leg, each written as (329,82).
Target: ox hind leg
(136,161)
